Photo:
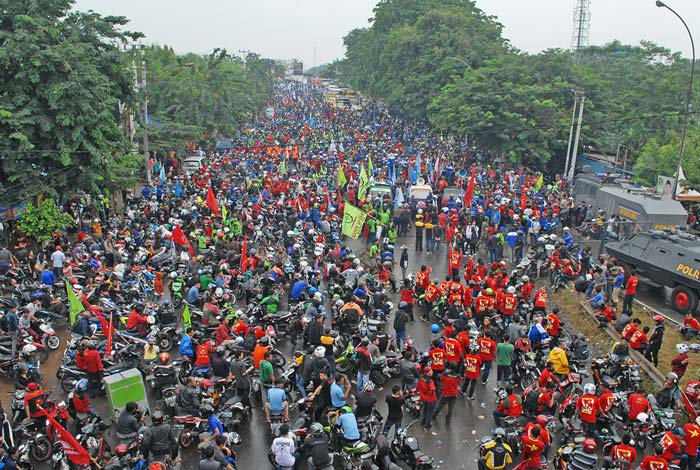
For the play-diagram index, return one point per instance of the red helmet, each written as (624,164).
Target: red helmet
(164,358)
(427,370)
(157,466)
(542,420)
(659,318)
(590,446)
(121,450)
(32,387)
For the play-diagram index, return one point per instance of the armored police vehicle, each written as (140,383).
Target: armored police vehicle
(664,258)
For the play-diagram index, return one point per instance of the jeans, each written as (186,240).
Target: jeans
(244,395)
(436,245)
(300,386)
(400,338)
(471,383)
(502,374)
(427,414)
(362,379)
(487,372)
(450,401)
(391,421)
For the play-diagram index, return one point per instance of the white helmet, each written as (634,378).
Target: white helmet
(682,348)
(642,417)
(552,237)
(320,351)
(566,229)
(525,279)
(28,349)
(290,233)
(173,274)
(510,290)
(589,389)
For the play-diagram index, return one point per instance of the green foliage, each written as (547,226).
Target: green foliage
(658,158)
(190,95)
(446,61)
(61,82)
(42,221)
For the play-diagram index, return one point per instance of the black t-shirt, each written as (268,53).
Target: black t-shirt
(318,449)
(395,404)
(364,404)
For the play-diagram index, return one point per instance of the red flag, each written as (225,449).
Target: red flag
(74,451)
(211,202)
(108,348)
(180,238)
(243,254)
(106,327)
(469,193)
(523,198)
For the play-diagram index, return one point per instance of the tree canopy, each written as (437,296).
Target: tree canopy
(446,61)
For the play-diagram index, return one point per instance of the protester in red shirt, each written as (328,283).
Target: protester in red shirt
(672,443)
(630,291)
(624,453)
(437,357)
(654,462)
(533,448)
(472,367)
(639,339)
(680,363)
(692,440)
(630,328)
(691,326)
(588,408)
(511,405)
(427,391)
(637,403)
(450,390)
(453,349)
(137,321)
(487,350)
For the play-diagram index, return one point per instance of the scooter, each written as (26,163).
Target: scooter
(406,448)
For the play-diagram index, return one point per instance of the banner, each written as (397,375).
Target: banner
(108,348)
(364,184)
(353,220)
(540,180)
(180,238)
(106,328)
(342,180)
(469,193)
(244,253)
(75,306)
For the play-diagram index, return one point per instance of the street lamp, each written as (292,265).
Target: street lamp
(688,96)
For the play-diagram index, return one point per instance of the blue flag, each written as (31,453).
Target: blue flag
(418,164)
(162,174)
(178,189)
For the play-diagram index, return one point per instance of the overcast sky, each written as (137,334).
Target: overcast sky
(284,29)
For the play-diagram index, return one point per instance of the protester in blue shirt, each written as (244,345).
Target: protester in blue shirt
(568,238)
(193,294)
(348,423)
(48,278)
(186,348)
(277,402)
(298,289)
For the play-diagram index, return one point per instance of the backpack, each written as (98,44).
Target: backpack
(364,362)
(249,341)
(530,401)
(4,324)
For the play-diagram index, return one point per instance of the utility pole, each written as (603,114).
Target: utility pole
(571,133)
(572,167)
(144,88)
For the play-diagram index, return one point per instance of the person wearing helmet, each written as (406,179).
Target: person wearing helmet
(129,422)
(638,406)
(510,405)
(655,340)
(137,323)
(90,361)
(541,422)
(585,456)
(588,408)
(365,401)
(624,454)
(79,405)
(316,443)
(680,363)
(159,440)
(669,396)
(495,454)
(33,400)
(346,422)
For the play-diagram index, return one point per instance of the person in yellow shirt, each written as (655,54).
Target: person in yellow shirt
(557,356)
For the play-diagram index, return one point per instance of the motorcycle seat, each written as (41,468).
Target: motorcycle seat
(6,357)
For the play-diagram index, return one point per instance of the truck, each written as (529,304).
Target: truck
(664,258)
(640,209)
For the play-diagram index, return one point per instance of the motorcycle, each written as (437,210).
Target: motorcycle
(413,402)
(406,448)
(233,414)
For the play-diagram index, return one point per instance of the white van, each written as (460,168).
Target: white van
(193,164)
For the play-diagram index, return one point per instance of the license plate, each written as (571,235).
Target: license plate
(415,398)
(367,455)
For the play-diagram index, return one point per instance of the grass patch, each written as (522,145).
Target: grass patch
(579,321)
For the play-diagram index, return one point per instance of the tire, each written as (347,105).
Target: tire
(165,344)
(68,384)
(53,342)
(526,380)
(177,301)
(185,439)
(41,449)
(271,458)
(640,442)
(43,354)
(343,367)
(278,359)
(288,387)
(684,299)
(185,372)
(378,378)
(422,303)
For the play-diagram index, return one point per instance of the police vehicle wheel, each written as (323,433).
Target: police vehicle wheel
(684,299)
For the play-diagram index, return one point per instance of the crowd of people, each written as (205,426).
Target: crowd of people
(259,232)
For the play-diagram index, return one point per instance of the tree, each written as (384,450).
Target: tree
(61,81)
(40,222)
(661,158)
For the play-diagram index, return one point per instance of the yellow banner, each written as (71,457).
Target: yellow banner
(353,220)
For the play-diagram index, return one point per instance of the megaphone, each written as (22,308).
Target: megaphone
(420,181)
(462,173)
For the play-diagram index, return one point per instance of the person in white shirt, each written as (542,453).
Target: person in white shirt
(283,448)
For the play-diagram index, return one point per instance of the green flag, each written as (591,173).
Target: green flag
(76,306)
(370,165)
(283,167)
(186,319)
(342,180)
(364,184)
(353,220)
